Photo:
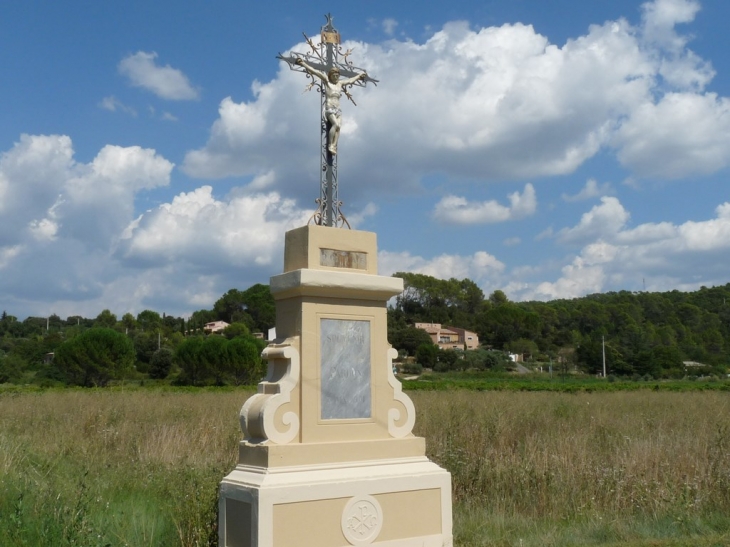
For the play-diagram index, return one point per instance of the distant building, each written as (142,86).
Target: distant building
(469,339)
(215,326)
(450,337)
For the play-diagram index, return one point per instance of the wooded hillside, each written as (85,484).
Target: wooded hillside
(646,334)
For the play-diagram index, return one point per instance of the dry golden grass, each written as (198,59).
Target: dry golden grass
(95,467)
(561,455)
(137,427)
(151,461)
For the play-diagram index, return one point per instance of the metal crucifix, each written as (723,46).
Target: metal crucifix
(332,77)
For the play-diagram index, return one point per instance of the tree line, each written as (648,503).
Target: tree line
(96,351)
(643,334)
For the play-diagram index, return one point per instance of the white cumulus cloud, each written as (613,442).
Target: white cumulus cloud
(602,221)
(681,135)
(61,217)
(164,81)
(665,255)
(457,210)
(481,267)
(198,229)
(591,190)
(113,104)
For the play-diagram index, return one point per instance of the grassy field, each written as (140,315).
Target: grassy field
(141,467)
(624,468)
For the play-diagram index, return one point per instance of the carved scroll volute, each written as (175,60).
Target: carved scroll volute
(403,411)
(260,419)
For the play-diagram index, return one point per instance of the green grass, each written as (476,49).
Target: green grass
(487,381)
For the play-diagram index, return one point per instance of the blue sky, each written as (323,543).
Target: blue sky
(152,154)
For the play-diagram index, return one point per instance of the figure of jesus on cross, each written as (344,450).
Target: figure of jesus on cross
(332,89)
(332,73)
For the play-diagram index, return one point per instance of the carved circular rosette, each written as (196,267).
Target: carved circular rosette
(362,520)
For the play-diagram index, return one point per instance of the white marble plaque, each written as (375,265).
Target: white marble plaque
(353,260)
(345,372)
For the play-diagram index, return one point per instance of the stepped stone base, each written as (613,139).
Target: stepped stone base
(403,502)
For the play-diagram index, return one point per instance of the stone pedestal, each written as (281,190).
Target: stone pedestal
(328,458)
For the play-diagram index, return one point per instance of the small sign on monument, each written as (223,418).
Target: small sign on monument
(343,259)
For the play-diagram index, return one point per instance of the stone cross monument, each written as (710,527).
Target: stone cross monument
(328,457)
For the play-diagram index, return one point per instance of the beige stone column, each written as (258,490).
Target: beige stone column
(328,457)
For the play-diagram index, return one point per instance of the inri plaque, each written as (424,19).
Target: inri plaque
(353,260)
(345,373)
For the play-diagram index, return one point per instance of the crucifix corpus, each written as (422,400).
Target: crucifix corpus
(332,72)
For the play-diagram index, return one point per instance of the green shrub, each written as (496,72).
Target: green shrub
(11,368)
(160,363)
(427,355)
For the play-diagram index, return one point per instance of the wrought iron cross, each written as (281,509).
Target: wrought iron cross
(331,71)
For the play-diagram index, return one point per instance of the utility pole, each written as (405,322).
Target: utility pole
(603,339)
